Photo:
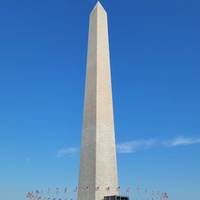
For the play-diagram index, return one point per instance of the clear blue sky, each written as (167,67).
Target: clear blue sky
(155,63)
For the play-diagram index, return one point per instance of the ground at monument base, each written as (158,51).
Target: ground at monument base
(116,197)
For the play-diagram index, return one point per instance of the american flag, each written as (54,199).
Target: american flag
(137,189)
(108,188)
(28,195)
(97,188)
(85,189)
(118,188)
(65,190)
(128,189)
(57,190)
(165,196)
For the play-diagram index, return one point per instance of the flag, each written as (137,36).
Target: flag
(49,190)
(128,189)
(75,189)
(153,193)
(57,190)
(165,196)
(137,189)
(118,188)
(85,189)
(65,190)
(28,195)
(108,188)
(97,188)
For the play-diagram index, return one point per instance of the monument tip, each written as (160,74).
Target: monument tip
(98,4)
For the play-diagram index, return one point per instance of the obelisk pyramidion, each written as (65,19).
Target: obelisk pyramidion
(98,168)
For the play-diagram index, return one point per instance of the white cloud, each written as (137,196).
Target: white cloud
(136,145)
(66,151)
(181,141)
(132,146)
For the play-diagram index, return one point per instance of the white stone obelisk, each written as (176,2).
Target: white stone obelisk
(98,168)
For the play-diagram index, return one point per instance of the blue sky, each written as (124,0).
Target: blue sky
(155,64)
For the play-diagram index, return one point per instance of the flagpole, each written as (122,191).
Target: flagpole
(56,192)
(87,193)
(132,195)
(48,193)
(118,189)
(65,194)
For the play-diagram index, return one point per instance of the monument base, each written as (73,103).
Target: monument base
(116,197)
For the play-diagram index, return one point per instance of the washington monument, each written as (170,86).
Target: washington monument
(98,168)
